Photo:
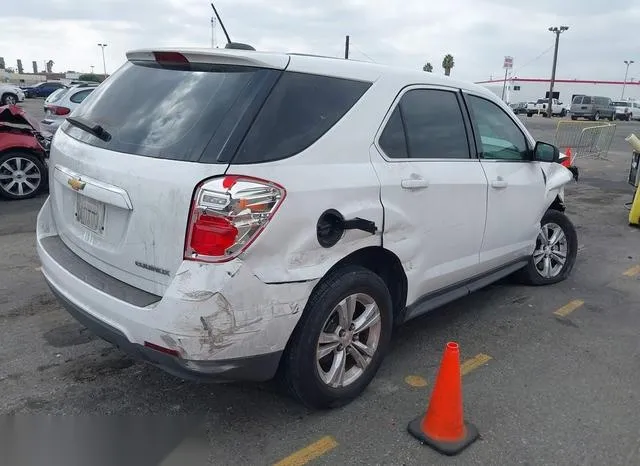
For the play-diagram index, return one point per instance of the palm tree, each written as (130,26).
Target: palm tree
(428,67)
(447,64)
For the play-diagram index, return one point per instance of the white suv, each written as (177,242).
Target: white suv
(228,214)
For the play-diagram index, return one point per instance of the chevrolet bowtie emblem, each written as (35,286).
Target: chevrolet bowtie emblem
(76,184)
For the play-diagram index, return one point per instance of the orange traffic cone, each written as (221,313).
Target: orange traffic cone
(568,160)
(443,427)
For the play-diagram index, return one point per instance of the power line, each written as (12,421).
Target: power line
(359,50)
(531,61)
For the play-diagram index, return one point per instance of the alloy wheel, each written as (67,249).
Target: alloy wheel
(348,340)
(550,254)
(19,176)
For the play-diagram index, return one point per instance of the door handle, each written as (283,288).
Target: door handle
(414,183)
(499,183)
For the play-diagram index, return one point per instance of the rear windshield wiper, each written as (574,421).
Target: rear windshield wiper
(90,127)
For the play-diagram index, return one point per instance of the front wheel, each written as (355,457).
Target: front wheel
(574,118)
(22,175)
(9,99)
(341,339)
(555,252)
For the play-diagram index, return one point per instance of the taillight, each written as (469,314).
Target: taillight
(56,110)
(228,214)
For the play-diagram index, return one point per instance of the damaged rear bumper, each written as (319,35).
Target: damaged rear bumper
(254,368)
(212,322)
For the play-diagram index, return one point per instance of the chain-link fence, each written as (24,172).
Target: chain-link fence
(585,138)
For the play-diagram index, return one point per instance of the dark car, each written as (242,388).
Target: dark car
(518,108)
(42,89)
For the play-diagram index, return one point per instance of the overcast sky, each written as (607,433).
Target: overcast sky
(478,33)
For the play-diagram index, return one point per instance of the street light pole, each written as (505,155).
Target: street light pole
(557,31)
(624,84)
(104,65)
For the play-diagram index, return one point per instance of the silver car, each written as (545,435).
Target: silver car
(59,105)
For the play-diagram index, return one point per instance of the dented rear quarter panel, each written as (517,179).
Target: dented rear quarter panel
(333,173)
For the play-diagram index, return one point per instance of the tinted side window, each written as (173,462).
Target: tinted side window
(392,140)
(586,100)
(434,125)
(500,137)
(78,97)
(300,109)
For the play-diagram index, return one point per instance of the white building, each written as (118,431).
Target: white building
(532,89)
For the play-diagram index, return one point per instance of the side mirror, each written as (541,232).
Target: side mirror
(545,152)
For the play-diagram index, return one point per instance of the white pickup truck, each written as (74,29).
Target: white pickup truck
(540,107)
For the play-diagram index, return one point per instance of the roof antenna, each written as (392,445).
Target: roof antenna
(230,45)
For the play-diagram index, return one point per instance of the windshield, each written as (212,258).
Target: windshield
(543,101)
(168,113)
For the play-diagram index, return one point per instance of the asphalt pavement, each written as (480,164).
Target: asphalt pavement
(551,374)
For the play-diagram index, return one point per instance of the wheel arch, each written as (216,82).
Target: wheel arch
(383,263)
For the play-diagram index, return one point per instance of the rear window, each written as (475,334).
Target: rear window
(78,97)
(621,104)
(300,109)
(56,95)
(168,113)
(543,101)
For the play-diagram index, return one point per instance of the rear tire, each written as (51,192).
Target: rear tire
(303,365)
(537,272)
(574,118)
(596,117)
(22,175)
(529,114)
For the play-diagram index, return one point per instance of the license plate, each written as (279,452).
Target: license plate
(90,213)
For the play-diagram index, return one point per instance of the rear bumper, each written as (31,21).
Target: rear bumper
(219,320)
(258,368)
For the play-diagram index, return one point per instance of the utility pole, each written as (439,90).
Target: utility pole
(624,84)
(92,69)
(346,48)
(104,65)
(213,32)
(557,31)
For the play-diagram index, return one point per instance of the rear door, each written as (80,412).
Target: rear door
(121,197)
(433,189)
(516,185)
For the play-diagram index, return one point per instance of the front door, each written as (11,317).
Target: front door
(516,185)
(433,189)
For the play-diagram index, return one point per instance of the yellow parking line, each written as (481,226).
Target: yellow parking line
(473,363)
(632,272)
(309,453)
(416,381)
(568,308)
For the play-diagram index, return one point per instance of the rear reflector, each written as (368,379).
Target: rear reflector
(170,58)
(161,349)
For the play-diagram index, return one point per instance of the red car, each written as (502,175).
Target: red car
(24,150)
